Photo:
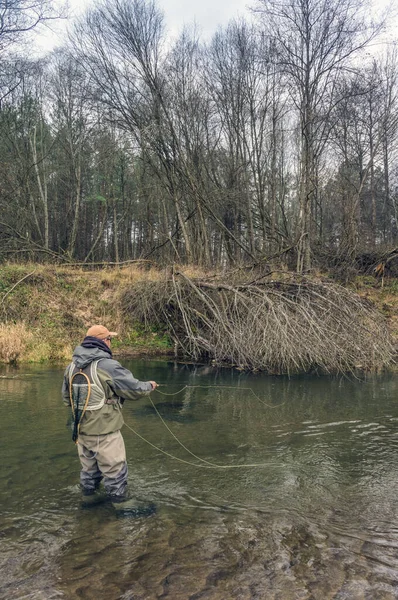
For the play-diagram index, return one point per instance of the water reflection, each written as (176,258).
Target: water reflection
(317,519)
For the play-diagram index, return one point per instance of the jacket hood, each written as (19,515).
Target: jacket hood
(82,357)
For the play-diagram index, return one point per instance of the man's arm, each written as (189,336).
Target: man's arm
(123,383)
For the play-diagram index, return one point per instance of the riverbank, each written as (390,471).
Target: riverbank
(45,310)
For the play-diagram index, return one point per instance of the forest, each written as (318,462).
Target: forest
(274,139)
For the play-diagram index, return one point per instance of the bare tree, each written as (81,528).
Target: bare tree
(246,90)
(119,44)
(28,139)
(20,17)
(74,119)
(314,41)
(365,121)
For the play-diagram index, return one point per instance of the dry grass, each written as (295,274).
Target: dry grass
(58,304)
(14,339)
(43,350)
(384,297)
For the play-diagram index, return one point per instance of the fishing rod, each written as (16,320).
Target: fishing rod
(79,395)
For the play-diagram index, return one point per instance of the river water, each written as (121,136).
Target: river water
(316,518)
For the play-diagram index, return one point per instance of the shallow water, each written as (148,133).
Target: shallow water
(316,519)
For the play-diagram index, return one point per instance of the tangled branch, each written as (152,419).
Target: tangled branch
(292,325)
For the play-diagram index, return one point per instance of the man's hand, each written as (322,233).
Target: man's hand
(153,384)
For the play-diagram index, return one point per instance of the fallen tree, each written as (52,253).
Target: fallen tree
(288,325)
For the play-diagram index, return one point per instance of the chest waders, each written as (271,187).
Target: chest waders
(85,393)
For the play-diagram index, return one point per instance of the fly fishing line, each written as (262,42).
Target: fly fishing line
(207,464)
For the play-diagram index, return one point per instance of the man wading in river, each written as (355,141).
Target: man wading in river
(95,386)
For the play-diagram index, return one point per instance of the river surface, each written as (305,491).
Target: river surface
(311,512)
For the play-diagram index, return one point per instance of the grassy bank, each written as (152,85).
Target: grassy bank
(45,310)
(384,296)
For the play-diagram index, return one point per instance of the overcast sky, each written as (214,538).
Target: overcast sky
(207,14)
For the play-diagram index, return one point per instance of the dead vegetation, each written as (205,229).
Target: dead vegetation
(277,322)
(14,338)
(46,309)
(290,325)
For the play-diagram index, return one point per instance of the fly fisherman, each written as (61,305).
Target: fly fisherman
(97,413)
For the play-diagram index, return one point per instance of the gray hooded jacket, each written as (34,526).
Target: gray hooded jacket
(118,383)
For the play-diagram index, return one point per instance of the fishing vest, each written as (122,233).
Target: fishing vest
(97,397)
